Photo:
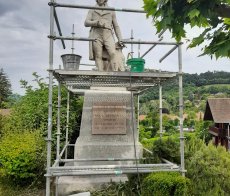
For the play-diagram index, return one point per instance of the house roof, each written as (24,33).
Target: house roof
(218,110)
(142,117)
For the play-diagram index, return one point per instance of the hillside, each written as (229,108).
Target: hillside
(197,88)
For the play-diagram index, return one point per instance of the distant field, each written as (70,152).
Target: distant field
(216,85)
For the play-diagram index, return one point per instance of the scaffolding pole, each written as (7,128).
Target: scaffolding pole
(138,114)
(153,46)
(59,28)
(124,41)
(228,137)
(100,167)
(58,121)
(58,132)
(114,172)
(181,105)
(160,109)
(168,53)
(99,159)
(49,134)
(95,7)
(132,38)
(67,125)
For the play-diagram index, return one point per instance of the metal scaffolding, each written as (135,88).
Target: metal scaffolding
(79,82)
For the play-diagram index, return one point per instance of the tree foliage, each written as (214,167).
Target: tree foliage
(209,170)
(5,87)
(207,166)
(202,130)
(213,16)
(167,184)
(197,88)
(31,112)
(22,157)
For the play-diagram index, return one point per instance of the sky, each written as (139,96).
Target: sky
(24,45)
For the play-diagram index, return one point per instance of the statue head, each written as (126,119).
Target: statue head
(101,2)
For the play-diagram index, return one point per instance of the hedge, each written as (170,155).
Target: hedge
(165,184)
(22,157)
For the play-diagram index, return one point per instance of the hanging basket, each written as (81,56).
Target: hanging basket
(71,61)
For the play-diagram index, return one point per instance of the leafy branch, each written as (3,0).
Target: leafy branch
(213,16)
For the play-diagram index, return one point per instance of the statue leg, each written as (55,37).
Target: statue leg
(113,60)
(111,49)
(97,49)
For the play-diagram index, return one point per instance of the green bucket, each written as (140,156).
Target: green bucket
(137,64)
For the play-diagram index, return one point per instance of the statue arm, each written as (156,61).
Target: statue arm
(116,28)
(90,21)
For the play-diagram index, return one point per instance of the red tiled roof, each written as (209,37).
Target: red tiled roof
(142,117)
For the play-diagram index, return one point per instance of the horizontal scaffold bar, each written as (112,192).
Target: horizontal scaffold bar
(124,41)
(113,166)
(100,159)
(112,172)
(96,8)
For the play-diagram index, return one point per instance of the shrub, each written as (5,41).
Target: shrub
(209,171)
(21,157)
(168,148)
(1,124)
(165,184)
(144,133)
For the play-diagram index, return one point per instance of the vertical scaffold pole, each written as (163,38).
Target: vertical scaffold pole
(181,106)
(228,137)
(49,135)
(67,125)
(58,121)
(138,114)
(132,52)
(160,109)
(58,131)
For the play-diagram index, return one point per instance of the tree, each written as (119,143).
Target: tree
(22,157)
(31,113)
(213,16)
(209,170)
(5,87)
(202,130)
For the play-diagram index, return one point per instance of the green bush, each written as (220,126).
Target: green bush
(21,157)
(165,184)
(209,171)
(168,148)
(144,133)
(1,124)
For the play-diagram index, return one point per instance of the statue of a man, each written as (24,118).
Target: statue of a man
(102,23)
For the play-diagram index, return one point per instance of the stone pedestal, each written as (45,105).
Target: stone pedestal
(116,139)
(108,131)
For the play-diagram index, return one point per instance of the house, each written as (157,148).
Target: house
(218,111)
(142,117)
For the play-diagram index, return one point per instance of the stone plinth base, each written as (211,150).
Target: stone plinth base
(107,150)
(73,184)
(115,140)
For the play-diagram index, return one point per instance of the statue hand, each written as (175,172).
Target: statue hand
(103,24)
(100,24)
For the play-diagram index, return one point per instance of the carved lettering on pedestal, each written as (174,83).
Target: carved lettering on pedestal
(109,118)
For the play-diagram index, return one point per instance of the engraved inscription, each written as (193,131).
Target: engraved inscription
(109,118)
